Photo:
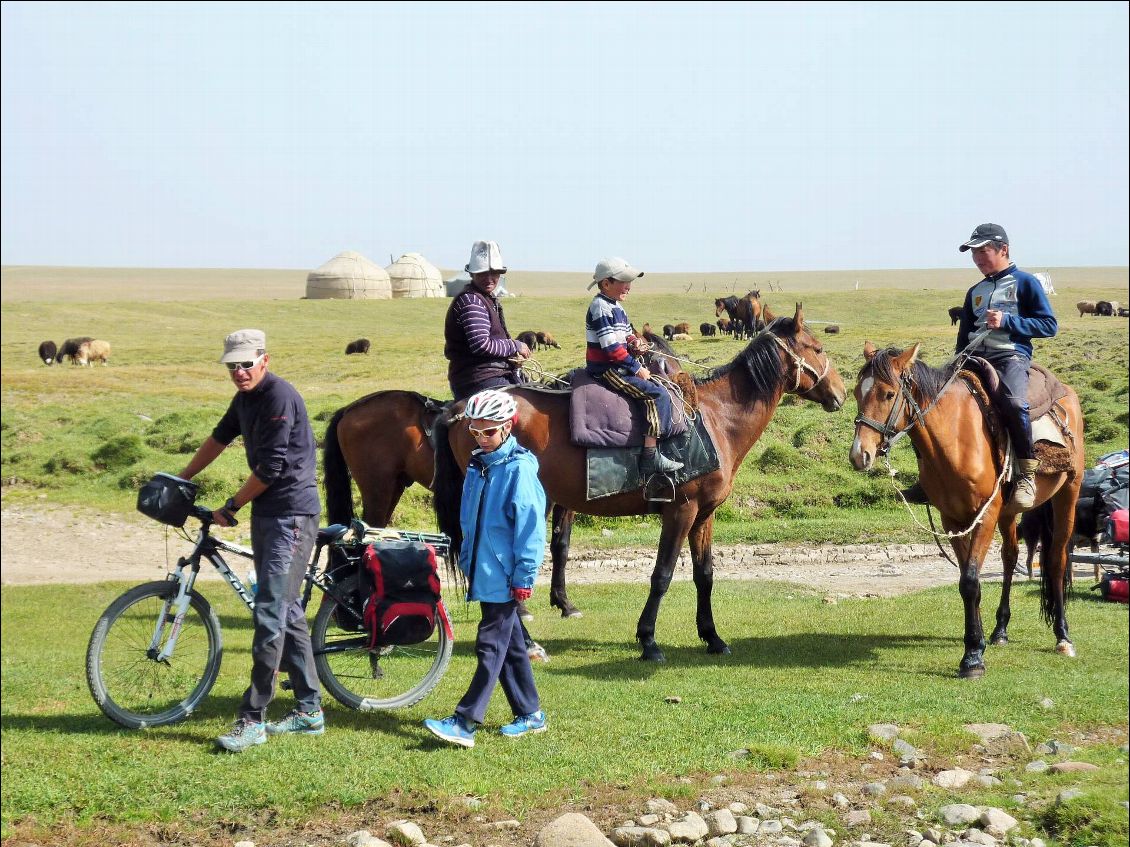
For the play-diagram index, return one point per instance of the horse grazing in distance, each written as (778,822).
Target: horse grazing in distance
(961,464)
(381,442)
(736,403)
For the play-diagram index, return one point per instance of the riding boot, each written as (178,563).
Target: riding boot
(652,462)
(915,494)
(1024,493)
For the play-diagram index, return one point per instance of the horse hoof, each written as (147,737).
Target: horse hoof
(975,672)
(999,641)
(720,649)
(652,654)
(1065,648)
(573,613)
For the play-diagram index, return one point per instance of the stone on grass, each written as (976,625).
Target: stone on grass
(955,778)
(959,814)
(817,837)
(989,731)
(840,800)
(748,825)
(649,820)
(874,789)
(883,731)
(640,836)
(244,844)
(571,830)
(1067,795)
(1038,766)
(770,827)
(858,817)
(404,833)
(1000,819)
(661,806)
(1073,767)
(688,830)
(906,782)
(721,822)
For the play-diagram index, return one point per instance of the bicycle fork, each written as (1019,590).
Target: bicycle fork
(178,605)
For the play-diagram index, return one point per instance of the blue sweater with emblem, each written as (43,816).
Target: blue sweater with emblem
(1026,313)
(503,521)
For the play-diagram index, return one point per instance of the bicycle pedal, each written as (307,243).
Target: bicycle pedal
(286,685)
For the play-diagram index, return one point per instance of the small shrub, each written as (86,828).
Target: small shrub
(178,433)
(814,436)
(1122,418)
(778,457)
(120,452)
(1100,384)
(66,463)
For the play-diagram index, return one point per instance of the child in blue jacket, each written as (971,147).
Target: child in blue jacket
(503,521)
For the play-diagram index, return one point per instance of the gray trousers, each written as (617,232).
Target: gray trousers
(282,548)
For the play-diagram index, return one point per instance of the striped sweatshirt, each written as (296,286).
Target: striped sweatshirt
(607,335)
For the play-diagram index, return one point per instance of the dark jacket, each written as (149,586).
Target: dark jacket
(280,446)
(1021,299)
(477,342)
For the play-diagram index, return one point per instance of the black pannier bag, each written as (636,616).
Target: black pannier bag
(405,592)
(1103,492)
(345,562)
(167,498)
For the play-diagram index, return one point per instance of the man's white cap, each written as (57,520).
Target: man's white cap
(616,268)
(485,256)
(243,345)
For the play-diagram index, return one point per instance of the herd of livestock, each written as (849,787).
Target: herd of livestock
(81,351)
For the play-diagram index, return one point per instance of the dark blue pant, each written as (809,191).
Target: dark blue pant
(282,548)
(1012,368)
(503,659)
(655,399)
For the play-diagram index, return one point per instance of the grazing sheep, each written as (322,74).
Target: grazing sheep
(547,340)
(361,345)
(955,314)
(681,336)
(725,326)
(684,328)
(1123,312)
(1085,307)
(708,329)
(529,338)
(832,329)
(48,352)
(93,351)
(71,347)
(1116,306)
(1104,308)
(668,331)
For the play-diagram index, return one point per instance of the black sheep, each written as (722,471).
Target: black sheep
(361,345)
(48,352)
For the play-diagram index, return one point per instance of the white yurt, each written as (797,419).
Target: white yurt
(414,276)
(348,276)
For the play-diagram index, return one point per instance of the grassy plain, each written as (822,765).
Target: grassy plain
(75,435)
(786,694)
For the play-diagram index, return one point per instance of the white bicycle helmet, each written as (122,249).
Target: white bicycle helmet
(491,405)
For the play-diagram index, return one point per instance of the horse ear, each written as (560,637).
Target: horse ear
(767,315)
(798,318)
(869,350)
(907,357)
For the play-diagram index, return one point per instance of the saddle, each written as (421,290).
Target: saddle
(600,417)
(1053,439)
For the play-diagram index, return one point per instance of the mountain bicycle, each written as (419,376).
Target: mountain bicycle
(155,652)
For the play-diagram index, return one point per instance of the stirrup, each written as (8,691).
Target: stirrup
(659,488)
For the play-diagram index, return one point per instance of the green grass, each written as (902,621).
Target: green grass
(89,436)
(784,694)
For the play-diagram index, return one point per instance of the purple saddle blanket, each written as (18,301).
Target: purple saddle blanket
(600,417)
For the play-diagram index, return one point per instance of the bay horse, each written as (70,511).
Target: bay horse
(381,442)
(736,402)
(744,312)
(961,468)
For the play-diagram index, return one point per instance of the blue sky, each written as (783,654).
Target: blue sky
(685,137)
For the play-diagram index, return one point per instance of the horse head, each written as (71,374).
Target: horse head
(815,377)
(881,394)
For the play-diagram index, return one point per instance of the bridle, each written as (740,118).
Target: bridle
(802,365)
(889,433)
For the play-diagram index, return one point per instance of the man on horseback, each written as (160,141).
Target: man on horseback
(609,358)
(1012,306)
(478,345)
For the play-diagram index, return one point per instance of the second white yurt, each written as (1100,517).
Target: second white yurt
(414,276)
(348,276)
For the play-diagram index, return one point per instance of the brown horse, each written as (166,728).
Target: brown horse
(736,401)
(960,464)
(381,441)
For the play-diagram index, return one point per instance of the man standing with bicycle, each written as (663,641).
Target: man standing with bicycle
(270,415)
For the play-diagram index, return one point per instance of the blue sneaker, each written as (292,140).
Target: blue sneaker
(244,734)
(452,730)
(302,723)
(525,725)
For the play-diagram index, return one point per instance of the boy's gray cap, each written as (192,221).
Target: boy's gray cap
(616,268)
(485,256)
(985,234)
(244,345)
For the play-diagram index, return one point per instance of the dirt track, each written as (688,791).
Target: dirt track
(50,544)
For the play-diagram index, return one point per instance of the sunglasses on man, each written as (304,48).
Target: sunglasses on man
(244,366)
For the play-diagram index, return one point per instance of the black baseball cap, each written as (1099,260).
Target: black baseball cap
(985,234)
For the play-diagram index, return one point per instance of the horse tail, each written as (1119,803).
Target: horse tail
(336,476)
(447,486)
(1045,523)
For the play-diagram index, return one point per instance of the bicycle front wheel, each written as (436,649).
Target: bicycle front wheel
(374,680)
(127,681)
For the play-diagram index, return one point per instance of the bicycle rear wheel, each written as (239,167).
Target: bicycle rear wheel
(385,678)
(127,682)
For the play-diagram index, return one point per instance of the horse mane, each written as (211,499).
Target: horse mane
(761,359)
(926,382)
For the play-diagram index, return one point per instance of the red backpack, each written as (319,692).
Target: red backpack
(405,589)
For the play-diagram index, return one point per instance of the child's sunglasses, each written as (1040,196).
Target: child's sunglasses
(485,433)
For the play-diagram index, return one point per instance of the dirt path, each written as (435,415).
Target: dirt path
(42,544)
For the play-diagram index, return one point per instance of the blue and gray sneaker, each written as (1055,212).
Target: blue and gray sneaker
(452,730)
(244,734)
(524,725)
(302,723)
